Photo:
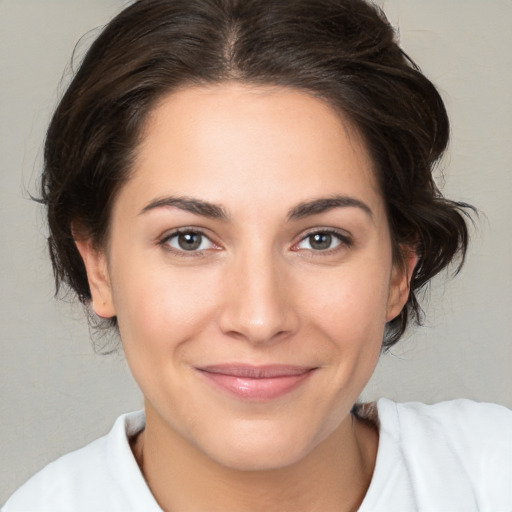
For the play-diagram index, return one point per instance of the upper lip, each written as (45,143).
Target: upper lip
(257,371)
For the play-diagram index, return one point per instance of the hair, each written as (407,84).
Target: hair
(342,51)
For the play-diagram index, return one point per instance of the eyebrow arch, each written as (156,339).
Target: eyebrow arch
(321,205)
(188,204)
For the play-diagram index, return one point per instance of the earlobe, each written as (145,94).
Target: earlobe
(400,284)
(95,262)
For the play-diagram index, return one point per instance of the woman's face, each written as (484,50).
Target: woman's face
(249,266)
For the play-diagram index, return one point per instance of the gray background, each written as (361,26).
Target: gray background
(57,394)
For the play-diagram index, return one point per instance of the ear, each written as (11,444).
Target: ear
(400,283)
(95,262)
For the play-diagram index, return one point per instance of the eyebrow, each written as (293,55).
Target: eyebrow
(188,204)
(324,204)
(216,211)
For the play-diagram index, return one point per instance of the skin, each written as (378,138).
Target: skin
(257,291)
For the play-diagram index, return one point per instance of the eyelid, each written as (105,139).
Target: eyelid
(164,239)
(344,238)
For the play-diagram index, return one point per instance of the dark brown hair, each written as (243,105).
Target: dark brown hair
(343,51)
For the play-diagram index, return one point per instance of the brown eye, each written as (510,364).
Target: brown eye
(320,241)
(189,241)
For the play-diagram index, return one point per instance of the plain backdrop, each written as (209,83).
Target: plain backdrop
(57,394)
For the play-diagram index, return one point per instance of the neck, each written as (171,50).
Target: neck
(334,476)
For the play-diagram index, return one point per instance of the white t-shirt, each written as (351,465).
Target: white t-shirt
(450,457)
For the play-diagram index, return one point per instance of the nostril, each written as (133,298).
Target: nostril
(258,306)
(272,329)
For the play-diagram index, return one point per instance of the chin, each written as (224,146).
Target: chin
(258,458)
(257,447)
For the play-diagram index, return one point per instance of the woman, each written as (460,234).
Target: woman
(243,190)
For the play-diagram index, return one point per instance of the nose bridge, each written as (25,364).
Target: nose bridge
(258,307)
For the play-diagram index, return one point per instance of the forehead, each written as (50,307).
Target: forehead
(240,145)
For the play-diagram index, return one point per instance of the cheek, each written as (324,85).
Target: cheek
(160,307)
(351,304)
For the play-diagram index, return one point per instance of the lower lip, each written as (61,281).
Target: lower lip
(256,389)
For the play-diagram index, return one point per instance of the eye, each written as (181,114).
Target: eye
(189,241)
(322,241)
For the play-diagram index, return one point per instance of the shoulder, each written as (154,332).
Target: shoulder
(459,450)
(462,422)
(55,486)
(101,476)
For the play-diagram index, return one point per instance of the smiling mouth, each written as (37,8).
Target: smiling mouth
(256,383)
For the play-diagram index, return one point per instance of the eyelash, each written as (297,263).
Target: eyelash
(164,242)
(344,239)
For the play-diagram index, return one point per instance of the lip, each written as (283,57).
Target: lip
(256,383)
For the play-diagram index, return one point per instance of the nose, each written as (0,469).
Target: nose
(259,303)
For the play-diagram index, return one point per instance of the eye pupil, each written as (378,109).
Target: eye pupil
(189,241)
(320,241)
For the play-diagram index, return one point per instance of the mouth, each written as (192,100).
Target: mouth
(256,383)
